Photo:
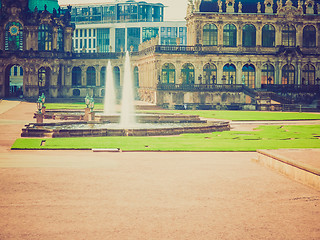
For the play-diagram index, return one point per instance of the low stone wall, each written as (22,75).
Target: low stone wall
(37,130)
(298,171)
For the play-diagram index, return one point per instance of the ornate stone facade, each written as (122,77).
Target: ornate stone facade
(231,57)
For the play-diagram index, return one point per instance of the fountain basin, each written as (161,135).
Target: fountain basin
(98,129)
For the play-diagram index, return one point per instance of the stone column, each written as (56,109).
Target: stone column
(258,75)
(238,73)
(53,81)
(219,72)
(83,75)
(54,38)
(2,32)
(68,32)
(220,34)
(318,35)
(299,33)
(259,35)
(239,35)
(278,34)
(298,73)
(98,75)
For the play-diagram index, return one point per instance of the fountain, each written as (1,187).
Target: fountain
(127,117)
(110,94)
(127,123)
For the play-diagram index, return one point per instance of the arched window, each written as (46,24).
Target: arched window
(230,35)
(249,36)
(267,74)
(60,40)
(103,76)
(288,74)
(136,76)
(76,76)
(249,75)
(116,76)
(289,36)
(308,75)
(14,37)
(187,73)
(210,35)
(229,74)
(210,73)
(91,76)
(45,37)
(268,36)
(168,73)
(309,36)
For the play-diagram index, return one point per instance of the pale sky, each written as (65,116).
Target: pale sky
(175,10)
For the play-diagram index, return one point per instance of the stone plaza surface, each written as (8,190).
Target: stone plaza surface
(98,195)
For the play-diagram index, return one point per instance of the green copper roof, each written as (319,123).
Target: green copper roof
(51,4)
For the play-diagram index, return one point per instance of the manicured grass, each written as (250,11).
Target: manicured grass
(247,115)
(59,106)
(217,114)
(266,137)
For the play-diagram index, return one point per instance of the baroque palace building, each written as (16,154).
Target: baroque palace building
(236,53)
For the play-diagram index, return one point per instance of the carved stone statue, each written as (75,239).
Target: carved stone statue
(259,7)
(240,7)
(220,5)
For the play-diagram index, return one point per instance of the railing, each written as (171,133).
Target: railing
(201,87)
(293,88)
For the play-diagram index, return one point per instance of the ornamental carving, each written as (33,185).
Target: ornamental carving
(288,10)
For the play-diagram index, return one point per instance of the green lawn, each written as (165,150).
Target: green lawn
(217,114)
(247,115)
(60,106)
(265,137)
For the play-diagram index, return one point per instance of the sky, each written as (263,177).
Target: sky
(175,10)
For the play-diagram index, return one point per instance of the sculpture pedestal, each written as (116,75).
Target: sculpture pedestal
(39,117)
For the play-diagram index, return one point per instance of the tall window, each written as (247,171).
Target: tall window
(230,35)
(210,73)
(289,36)
(116,76)
(308,74)
(187,73)
(288,74)
(136,76)
(229,74)
(91,76)
(45,37)
(76,76)
(249,36)
(267,74)
(60,40)
(210,35)
(14,37)
(103,39)
(103,76)
(133,39)
(248,75)
(120,39)
(268,36)
(168,73)
(309,36)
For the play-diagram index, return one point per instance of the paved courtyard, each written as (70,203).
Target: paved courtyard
(96,195)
